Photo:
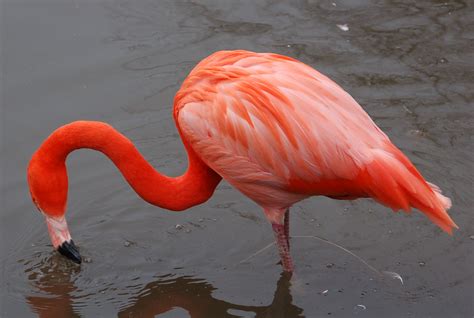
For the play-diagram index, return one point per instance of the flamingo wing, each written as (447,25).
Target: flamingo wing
(279,131)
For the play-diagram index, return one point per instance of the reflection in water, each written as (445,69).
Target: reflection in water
(195,296)
(53,277)
(166,293)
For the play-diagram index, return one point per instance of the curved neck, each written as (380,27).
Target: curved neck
(195,186)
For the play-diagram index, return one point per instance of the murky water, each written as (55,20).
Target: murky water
(408,63)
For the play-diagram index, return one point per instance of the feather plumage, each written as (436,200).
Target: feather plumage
(280,131)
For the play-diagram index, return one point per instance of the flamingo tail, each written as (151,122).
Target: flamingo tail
(393,180)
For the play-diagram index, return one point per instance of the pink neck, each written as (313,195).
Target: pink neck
(195,186)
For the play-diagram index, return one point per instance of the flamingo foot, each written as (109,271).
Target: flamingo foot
(283,247)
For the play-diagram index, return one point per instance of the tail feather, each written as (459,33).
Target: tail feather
(439,194)
(394,181)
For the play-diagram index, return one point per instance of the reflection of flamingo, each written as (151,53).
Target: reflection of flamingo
(273,127)
(158,297)
(195,296)
(53,279)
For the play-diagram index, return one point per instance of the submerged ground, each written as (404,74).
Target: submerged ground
(406,62)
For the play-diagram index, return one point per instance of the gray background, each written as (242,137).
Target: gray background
(408,63)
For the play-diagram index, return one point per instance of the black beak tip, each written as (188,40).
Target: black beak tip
(70,250)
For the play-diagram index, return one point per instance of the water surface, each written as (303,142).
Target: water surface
(408,63)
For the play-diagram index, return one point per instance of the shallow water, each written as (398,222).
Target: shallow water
(122,61)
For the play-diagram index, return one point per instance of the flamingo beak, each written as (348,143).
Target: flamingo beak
(70,250)
(61,239)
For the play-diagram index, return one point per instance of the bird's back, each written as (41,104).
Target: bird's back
(279,131)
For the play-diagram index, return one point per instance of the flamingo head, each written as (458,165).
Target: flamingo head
(48,184)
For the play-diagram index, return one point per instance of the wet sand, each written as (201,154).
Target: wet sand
(122,62)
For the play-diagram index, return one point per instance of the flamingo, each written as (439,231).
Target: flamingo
(273,127)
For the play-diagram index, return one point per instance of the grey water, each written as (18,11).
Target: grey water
(408,63)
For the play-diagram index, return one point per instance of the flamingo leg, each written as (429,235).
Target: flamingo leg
(287,228)
(283,246)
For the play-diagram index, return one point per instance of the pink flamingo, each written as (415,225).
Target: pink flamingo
(276,129)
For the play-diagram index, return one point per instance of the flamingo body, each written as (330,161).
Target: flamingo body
(280,131)
(273,127)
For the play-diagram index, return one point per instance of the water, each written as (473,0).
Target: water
(408,63)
